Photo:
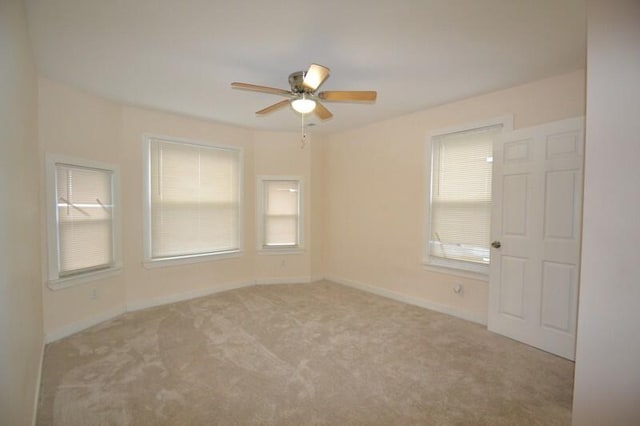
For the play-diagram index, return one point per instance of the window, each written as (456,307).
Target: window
(460,201)
(279,213)
(193,200)
(83,221)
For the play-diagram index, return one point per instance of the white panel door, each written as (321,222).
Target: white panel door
(535,226)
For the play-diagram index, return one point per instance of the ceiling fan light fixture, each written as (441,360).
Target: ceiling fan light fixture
(303,97)
(303,105)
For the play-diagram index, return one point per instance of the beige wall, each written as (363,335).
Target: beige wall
(607,380)
(319,173)
(150,286)
(21,335)
(376,185)
(77,124)
(364,201)
(74,124)
(281,154)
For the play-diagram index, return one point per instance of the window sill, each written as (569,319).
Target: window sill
(270,251)
(185,260)
(471,271)
(72,281)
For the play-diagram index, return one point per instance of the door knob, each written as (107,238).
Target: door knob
(496,244)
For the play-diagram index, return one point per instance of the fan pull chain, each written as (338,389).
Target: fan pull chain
(303,135)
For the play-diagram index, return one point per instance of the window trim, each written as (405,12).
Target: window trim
(453,266)
(273,250)
(148,261)
(54,279)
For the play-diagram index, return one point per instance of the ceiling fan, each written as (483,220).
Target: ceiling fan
(304,96)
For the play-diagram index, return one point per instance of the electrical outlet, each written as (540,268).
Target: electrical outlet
(93,294)
(283,263)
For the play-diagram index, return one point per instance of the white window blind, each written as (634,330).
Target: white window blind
(461,195)
(194,199)
(84,202)
(281,213)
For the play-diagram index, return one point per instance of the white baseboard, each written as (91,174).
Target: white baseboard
(179,297)
(136,306)
(38,383)
(283,280)
(400,297)
(75,327)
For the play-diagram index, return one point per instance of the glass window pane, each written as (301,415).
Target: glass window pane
(84,217)
(461,195)
(281,212)
(195,199)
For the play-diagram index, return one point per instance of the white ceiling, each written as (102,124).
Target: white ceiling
(181,55)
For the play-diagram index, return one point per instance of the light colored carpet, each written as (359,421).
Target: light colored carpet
(299,354)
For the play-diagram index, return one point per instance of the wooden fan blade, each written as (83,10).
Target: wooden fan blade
(315,76)
(348,95)
(322,112)
(273,107)
(264,89)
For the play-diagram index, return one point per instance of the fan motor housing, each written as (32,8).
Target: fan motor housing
(295,80)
